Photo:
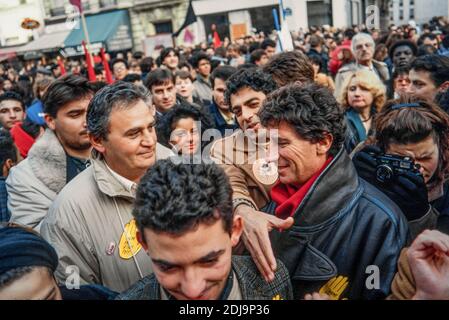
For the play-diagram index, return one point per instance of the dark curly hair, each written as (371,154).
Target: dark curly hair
(311,109)
(290,67)
(176,198)
(180,111)
(253,78)
(412,125)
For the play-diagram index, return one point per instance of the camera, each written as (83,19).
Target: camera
(389,165)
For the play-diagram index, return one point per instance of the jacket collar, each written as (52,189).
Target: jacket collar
(107,183)
(48,161)
(330,194)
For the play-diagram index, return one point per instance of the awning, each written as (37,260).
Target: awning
(8,52)
(47,42)
(111,29)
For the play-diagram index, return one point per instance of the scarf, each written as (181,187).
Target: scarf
(288,197)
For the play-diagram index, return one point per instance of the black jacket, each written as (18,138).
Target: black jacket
(343,226)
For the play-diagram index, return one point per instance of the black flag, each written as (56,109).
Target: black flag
(190,18)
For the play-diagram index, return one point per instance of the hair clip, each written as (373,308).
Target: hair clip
(405,105)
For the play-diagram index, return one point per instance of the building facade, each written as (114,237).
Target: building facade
(421,11)
(12,13)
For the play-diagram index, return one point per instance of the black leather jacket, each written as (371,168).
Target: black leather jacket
(343,226)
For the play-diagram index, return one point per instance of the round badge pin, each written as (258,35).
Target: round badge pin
(265,172)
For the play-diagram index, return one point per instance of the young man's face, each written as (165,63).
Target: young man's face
(194,265)
(70,125)
(270,51)
(164,96)
(245,104)
(120,71)
(130,147)
(402,56)
(218,94)
(263,60)
(171,61)
(422,85)
(431,42)
(297,159)
(11,112)
(39,284)
(204,68)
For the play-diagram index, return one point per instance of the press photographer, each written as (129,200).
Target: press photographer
(408,159)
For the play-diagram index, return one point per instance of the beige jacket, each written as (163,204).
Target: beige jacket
(86,225)
(236,154)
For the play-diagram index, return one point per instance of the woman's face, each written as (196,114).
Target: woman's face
(425,153)
(358,96)
(185,136)
(184,87)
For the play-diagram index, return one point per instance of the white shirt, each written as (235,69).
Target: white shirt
(129,185)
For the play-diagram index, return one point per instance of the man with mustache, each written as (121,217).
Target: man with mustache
(57,157)
(90,223)
(363,49)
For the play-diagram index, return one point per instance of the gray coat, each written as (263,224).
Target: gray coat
(35,182)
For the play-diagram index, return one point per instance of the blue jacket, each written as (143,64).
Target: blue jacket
(35,112)
(4,212)
(219,122)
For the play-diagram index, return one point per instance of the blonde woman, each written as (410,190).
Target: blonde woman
(363,95)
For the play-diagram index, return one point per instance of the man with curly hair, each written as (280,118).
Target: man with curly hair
(189,238)
(347,235)
(242,156)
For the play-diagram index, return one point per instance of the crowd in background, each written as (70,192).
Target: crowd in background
(83,166)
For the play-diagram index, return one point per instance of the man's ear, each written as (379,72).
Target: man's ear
(237,229)
(97,143)
(323,146)
(7,166)
(444,86)
(141,241)
(50,121)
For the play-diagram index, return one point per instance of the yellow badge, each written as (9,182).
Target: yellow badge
(129,246)
(335,287)
(277,297)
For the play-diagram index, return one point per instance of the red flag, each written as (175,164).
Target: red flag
(78,4)
(107,70)
(217,40)
(90,67)
(61,66)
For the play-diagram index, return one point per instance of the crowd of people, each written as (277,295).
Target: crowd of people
(231,172)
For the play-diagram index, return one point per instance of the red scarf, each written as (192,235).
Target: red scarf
(289,197)
(23,140)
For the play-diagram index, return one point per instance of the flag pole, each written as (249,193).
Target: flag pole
(86,35)
(277,26)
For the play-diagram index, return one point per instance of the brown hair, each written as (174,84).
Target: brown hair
(290,67)
(403,125)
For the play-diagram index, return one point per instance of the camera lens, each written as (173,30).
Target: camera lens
(384,173)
